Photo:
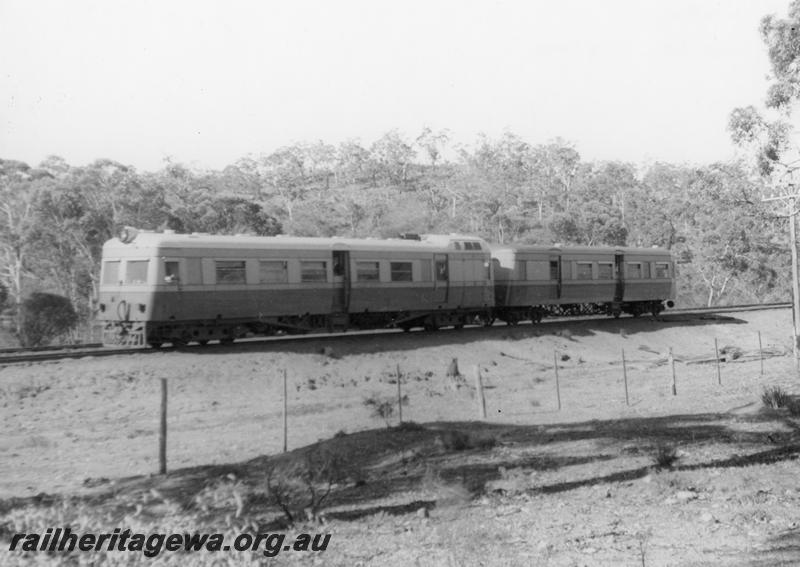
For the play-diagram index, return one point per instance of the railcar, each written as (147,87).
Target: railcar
(165,287)
(534,281)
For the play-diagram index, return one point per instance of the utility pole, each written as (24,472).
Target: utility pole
(790,198)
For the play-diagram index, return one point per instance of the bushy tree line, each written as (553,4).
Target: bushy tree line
(54,217)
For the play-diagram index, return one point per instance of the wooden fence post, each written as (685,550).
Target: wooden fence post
(285,413)
(625,379)
(162,433)
(672,365)
(479,391)
(399,397)
(558,386)
(760,353)
(716,353)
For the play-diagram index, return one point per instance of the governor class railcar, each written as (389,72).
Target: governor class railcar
(177,288)
(161,288)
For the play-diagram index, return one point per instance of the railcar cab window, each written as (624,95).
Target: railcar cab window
(662,270)
(230,271)
(171,272)
(273,271)
(401,271)
(136,271)
(111,272)
(313,271)
(605,271)
(367,271)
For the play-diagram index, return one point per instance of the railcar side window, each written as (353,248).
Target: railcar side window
(367,271)
(136,271)
(634,270)
(111,272)
(401,271)
(605,271)
(584,270)
(313,271)
(230,271)
(171,271)
(662,270)
(522,272)
(273,271)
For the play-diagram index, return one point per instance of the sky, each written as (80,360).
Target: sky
(205,83)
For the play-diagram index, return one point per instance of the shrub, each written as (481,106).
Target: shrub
(384,408)
(43,317)
(665,456)
(775,397)
(461,441)
(302,487)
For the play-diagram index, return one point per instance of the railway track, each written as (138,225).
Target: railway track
(43,354)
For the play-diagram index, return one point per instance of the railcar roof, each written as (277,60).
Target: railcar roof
(433,242)
(581,249)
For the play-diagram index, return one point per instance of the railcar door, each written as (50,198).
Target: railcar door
(619,274)
(441,278)
(341,281)
(555,274)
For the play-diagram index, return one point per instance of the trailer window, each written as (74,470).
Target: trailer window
(111,272)
(583,270)
(316,271)
(401,271)
(273,271)
(136,271)
(634,270)
(230,271)
(367,271)
(662,270)
(605,271)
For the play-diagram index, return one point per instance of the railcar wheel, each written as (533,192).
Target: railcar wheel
(202,342)
(155,344)
(431,327)
(226,341)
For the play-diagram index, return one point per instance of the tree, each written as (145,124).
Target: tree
(43,317)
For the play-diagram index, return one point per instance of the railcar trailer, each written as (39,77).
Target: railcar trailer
(176,288)
(534,281)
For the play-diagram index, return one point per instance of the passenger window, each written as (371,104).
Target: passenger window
(553,269)
(316,271)
(584,271)
(273,271)
(136,271)
(367,271)
(111,272)
(230,271)
(605,271)
(171,272)
(634,270)
(662,270)
(401,272)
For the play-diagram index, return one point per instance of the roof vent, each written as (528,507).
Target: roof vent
(409,236)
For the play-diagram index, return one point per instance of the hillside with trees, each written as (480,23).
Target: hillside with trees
(729,248)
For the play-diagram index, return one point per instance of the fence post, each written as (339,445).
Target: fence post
(479,391)
(716,352)
(760,353)
(558,386)
(625,379)
(672,365)
(399,397)
(162,433)
(285,413)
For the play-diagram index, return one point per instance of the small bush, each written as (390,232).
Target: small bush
(775,397)
(665,456)
(794,408)
(43,317)
(461,441)
(384,408)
